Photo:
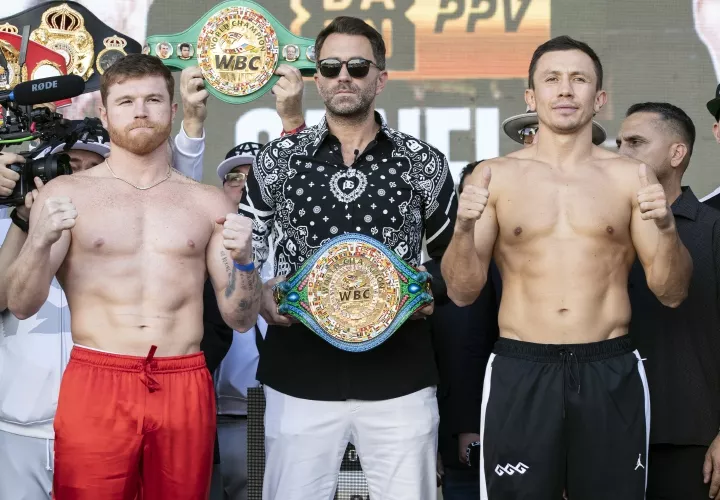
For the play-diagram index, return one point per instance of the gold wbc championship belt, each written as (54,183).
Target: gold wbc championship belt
(354,292)
(238,45)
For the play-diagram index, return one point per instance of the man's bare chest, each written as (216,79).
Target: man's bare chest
(110,223)
(545,205)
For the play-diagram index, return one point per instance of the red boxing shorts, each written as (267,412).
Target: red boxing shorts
(130,427)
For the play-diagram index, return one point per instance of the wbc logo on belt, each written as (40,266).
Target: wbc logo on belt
(238,51)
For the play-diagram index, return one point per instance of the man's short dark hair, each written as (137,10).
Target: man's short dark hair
(185,46)
(134,66)
(563,43)
(346,25)
(466,171)
(673,117)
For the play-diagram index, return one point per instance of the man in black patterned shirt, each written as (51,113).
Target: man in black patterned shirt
(349,174)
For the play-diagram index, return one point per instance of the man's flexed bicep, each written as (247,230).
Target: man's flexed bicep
(51,219)
(237,284)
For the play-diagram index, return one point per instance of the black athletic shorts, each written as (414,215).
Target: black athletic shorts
(557,418)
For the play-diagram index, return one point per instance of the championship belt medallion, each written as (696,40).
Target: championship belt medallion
(238,45)
(354,292)
(63,30)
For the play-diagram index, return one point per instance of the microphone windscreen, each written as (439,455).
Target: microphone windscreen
(51,89)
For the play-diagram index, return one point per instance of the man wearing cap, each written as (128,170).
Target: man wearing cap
(523,129)
(237,373)
(713,106)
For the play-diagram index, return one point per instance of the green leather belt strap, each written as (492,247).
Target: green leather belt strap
(238,45)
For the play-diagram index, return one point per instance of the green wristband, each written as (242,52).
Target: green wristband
(238,45)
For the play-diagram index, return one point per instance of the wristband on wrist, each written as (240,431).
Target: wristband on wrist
(244,267)
(19,221)
(293,131)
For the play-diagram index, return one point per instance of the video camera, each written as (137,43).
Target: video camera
(22,122)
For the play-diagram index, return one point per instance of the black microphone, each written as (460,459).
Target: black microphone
(55,88)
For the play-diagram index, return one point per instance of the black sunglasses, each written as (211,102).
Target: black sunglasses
(357,67)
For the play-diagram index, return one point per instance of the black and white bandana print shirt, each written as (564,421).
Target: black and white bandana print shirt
(300,194)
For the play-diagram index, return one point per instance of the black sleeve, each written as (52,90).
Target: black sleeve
(716,258)
(471,354)
(217,336)
(463,338)
(440,208)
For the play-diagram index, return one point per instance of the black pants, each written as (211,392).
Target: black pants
(675,473)
(564,417)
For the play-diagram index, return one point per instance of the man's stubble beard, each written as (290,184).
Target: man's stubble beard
(141,144)
(356,111)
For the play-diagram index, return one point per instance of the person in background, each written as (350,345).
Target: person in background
(523,129)
(237,373)
(190,140)
(713,106)
(682,345)
(463,338)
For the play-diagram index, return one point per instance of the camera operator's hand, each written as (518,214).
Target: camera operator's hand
(194,100)
(8,178)
(23,211)
(58,214)
(49,105)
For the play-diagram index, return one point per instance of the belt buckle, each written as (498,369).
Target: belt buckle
(354,292)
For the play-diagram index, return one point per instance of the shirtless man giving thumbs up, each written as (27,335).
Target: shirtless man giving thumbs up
(565,402)
(132,242)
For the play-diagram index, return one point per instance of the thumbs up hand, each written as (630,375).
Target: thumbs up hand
(651,199)
(473,200)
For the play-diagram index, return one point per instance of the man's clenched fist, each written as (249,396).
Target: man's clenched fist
(194,100)
(58,214)
(288,94)
(237,237)
(472,201)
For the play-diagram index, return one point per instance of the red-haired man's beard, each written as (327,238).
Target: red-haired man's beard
(140,142)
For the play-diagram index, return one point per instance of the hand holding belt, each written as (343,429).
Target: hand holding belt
(238,45)
(354,292)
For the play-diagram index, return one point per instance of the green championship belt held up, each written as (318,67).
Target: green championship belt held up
(238,45)
(354,292)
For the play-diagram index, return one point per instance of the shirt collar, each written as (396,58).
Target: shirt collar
(323,132)
(687,205)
